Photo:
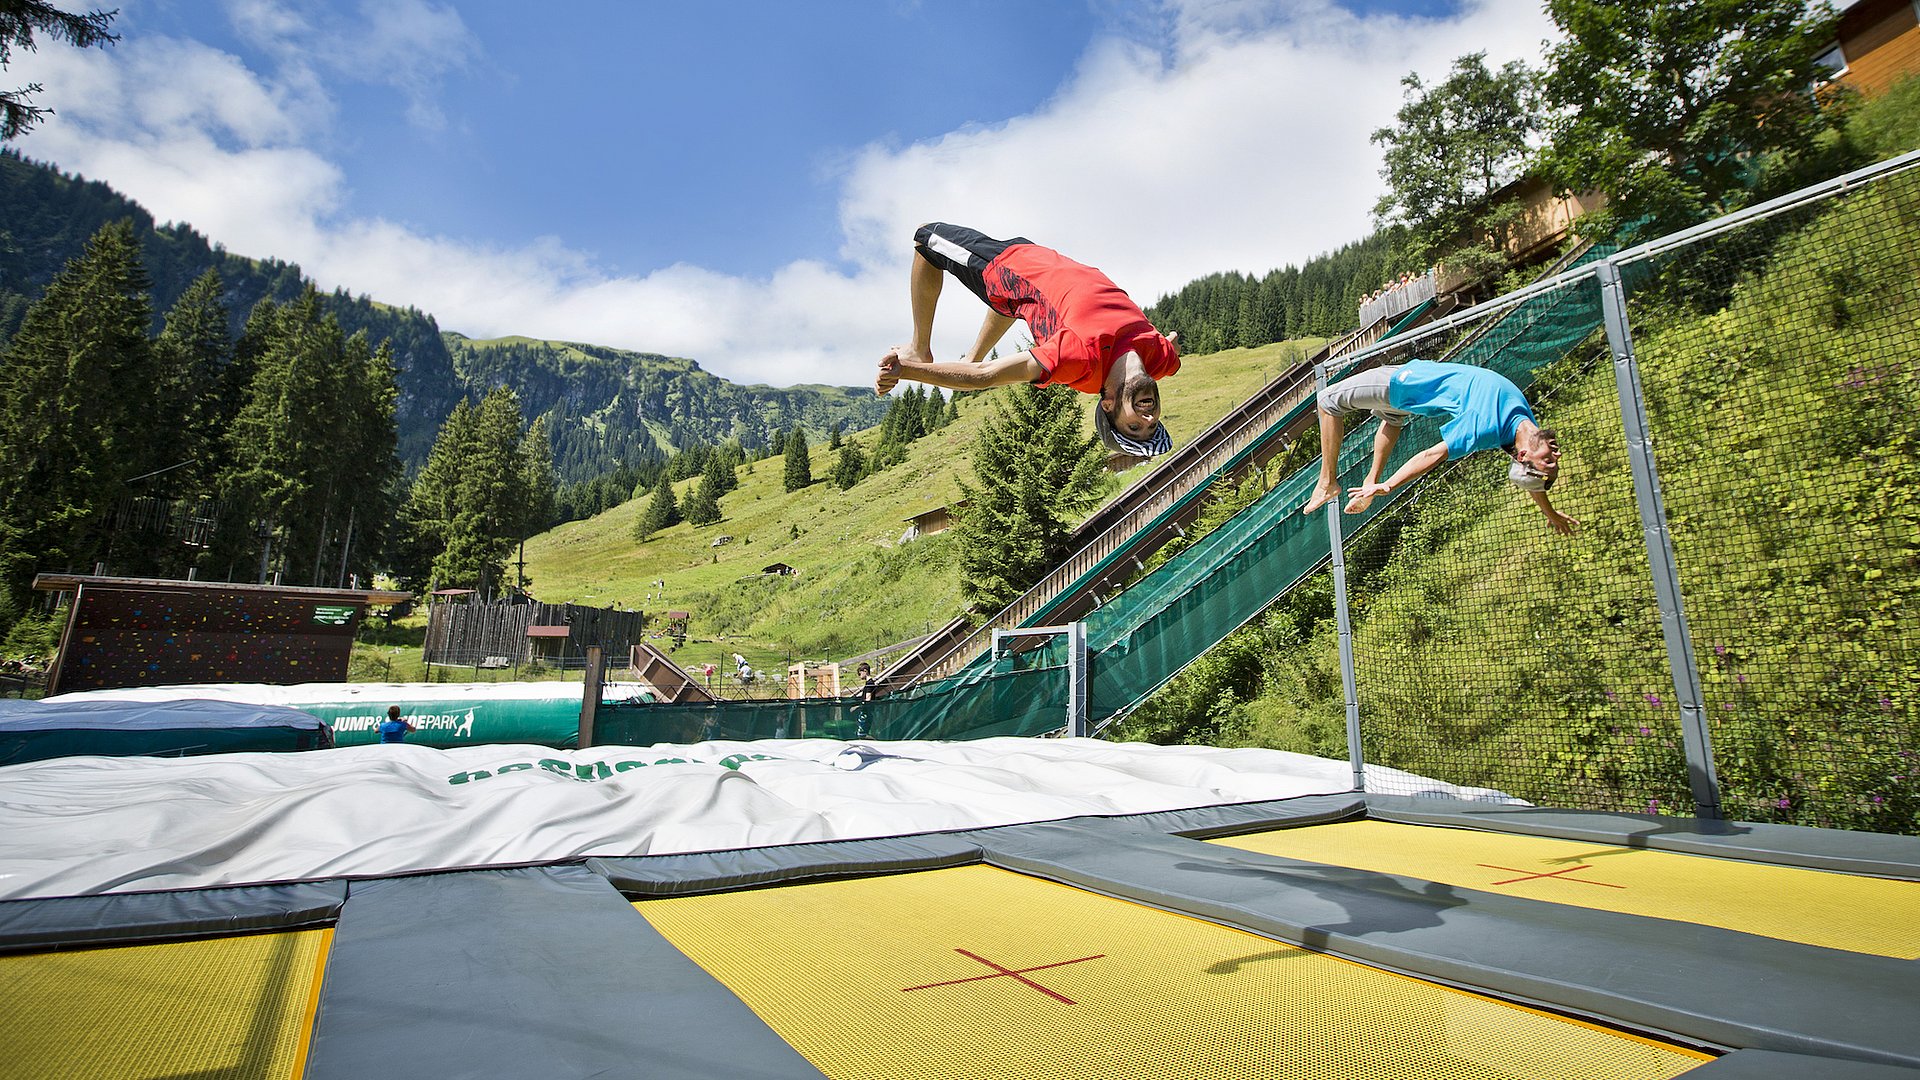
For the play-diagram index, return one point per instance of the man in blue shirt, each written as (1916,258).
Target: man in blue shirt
(1483,410)
(394,728)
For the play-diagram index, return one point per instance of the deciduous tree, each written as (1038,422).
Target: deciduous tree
(1452,145)
(1664,104)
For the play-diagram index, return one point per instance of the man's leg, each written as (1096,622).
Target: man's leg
(924,288)
(1383,443)
(1362,393)
(1332,430)
(992,330)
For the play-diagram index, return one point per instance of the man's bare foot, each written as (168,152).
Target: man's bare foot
(1319,498)
(909,354)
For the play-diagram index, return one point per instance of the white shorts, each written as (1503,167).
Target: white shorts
(1365,392)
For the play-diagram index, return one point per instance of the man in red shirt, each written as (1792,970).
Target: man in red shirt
(1090,335)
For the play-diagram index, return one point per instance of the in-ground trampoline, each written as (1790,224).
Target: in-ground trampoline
(1319,935)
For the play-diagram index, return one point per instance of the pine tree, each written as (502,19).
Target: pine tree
(19,21)
(717,477)
(850,467)
(660,512)
(375,486)
(536,478)
(75,421)
(311,448)
(932,411)
(1037,471)
(190,354)
(799,471)
(431,502)
(703,503)
(489,497)
(731,456)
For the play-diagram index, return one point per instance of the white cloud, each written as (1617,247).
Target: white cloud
(1240,141)
(411,45)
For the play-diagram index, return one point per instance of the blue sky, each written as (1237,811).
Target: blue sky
(736,182)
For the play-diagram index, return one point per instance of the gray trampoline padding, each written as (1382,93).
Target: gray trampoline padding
(1773,1065)
(532,972)
(1880,854)
(718,871)
(1236,818)
(1703,983)
(145,918)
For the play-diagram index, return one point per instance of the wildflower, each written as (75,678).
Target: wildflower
(1784,803)
(1653,700)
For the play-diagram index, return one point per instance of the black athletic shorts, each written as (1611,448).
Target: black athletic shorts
(962,252)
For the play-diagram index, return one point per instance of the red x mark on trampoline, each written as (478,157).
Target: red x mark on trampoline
(1017,974)
(1529,876)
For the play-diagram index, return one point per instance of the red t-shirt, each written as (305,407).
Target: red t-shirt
(1080,319)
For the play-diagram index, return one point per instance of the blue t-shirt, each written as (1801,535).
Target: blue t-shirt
(1483,408)
(392,731)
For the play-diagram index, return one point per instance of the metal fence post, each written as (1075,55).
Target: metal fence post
(1348,682)
(1075,634)
(1077,679)
(1702,777)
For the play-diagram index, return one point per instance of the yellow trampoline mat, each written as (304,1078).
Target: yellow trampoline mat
(1815,907)
(978,972)
(237,1008)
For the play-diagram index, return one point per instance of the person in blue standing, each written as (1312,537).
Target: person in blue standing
(394,728)
(1482,411)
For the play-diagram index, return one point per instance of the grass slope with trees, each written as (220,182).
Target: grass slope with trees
(1790,461)
(857,586)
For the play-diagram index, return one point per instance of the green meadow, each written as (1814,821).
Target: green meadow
(857,586)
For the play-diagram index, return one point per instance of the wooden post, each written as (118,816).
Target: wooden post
(590,695)
(66,638)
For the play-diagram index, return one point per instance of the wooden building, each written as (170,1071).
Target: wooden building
(930,522)
(1876,45)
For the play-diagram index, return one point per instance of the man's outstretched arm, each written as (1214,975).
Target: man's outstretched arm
(1418,465)
(1021,367)
(1558,521)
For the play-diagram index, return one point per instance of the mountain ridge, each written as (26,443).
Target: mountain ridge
(600,417)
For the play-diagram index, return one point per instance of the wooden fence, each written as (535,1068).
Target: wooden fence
(494,635)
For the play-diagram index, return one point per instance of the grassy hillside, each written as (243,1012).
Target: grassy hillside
(858,587)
